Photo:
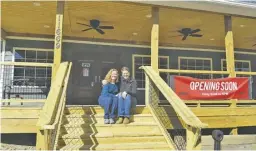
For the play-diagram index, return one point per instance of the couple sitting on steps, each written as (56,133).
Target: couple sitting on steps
(118,94)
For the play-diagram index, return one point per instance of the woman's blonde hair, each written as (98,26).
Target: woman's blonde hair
(108,76)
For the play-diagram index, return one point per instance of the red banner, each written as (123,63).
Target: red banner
(188,88)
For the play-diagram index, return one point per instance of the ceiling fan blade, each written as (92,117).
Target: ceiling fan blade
(84,24)
(196,35)
(194,31)
(254,45)
(87,29)
(106,27)
(185,37)
(100,31)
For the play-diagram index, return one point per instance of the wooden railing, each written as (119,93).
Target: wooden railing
(51,115)
(192,124)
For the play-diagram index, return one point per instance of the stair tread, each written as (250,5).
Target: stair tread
(101,115)
(126,146)
(110,134)
(110,125)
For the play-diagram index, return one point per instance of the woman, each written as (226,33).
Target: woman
(108,98)
(126,97)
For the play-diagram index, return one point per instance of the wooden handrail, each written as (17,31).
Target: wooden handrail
(48,113)
(62,102)
(179,106)
(28,64)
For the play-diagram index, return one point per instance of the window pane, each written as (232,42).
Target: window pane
(41,54)
(146,61)
(18,71)
(31,54)
(40,72)
(30,72)
(19,56)
(138,60)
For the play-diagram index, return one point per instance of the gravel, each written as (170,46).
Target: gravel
(18,142)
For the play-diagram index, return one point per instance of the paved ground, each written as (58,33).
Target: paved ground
(18,141)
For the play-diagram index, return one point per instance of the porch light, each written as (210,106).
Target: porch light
(134,34)
(242,26)
(212,39)
(46,26)
(149,16)
(36,4)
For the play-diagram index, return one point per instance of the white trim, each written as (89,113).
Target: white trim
(128,45)
(32,49)
(2,68)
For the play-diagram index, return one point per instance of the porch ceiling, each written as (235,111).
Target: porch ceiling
(131,22)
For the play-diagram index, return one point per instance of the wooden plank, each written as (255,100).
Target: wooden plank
(19,113)
(192,71)
(29,64)
(218,111)
(18,125)
(229,121)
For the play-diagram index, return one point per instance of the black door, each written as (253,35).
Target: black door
(87,74)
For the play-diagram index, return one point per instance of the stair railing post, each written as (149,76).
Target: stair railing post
(217,135)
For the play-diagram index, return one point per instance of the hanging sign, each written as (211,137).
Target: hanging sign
(188,88)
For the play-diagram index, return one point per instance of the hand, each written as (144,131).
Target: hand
(124,94)
(104,82)
(118,94)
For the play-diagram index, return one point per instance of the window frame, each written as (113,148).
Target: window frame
(13,60)
(247,61)
(149,56)
(195,58)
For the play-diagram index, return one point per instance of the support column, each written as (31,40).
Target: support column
(155,38)
(58,37)
(229,45)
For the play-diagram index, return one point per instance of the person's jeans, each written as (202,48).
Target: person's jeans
(124,106)
(109,103)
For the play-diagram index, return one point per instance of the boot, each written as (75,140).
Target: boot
(126,120)
(120,120)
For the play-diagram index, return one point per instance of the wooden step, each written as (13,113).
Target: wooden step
(126,146)
(135,127)
(110,134)
(94,139)
(98,118)
(231,142)
(98,110)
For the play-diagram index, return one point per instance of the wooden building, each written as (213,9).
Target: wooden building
(199,39)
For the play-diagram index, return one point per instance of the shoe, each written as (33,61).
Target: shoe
(111,121)
(106,121)
(120,120)
(126,120)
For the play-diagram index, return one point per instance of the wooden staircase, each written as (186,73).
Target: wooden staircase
(83,129)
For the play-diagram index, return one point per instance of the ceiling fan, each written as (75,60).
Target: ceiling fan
(95,25)
(185,32)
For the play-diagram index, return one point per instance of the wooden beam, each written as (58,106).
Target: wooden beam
(58,37)
(229,45)
(18,125)
(3,34)
(155,38)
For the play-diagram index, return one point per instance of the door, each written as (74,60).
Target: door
(87,75)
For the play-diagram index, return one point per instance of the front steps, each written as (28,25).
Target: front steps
(83,129)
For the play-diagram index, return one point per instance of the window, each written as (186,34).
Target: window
(191,63)
(145,60)
(32,76)
(240,65)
